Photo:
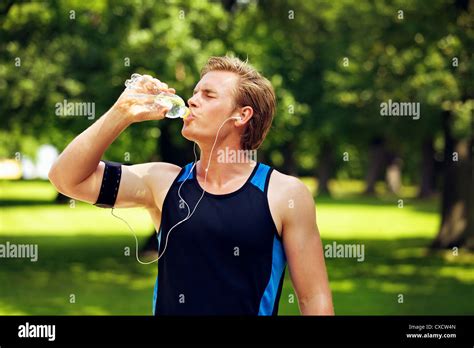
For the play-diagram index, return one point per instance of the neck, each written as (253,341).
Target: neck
(226,164)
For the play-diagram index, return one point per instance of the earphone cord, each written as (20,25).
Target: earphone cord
(181,199)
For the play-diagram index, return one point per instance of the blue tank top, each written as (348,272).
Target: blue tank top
(227,259)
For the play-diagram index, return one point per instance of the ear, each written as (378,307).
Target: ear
(245,114)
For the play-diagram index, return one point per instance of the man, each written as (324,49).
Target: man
(248,220)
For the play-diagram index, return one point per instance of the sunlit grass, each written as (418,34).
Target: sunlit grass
(82,253)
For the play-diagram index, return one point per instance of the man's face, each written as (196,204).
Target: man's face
(212,103)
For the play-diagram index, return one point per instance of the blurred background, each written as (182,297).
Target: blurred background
(402,187)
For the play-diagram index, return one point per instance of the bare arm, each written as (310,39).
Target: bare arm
(304,252)
(78,171)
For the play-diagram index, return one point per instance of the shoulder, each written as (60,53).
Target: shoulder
(164,172)
(159,177)
(289,199)
(288,186)
(163,168)
(155,172)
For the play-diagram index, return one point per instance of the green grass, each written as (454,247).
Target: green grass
(81,252)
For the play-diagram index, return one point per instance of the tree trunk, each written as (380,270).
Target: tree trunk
(325,168)
(376,164)
(165,145)
(289,164)
(427,183)
(393,174)
(229,5)
(457,226)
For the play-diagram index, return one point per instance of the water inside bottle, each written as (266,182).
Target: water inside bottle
(174,102)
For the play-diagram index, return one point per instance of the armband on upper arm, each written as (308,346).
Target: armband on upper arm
(110,185)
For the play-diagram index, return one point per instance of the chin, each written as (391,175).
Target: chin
(187,133)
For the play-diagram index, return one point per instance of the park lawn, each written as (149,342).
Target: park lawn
(81,253)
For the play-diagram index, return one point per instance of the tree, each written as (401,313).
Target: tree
(457,211)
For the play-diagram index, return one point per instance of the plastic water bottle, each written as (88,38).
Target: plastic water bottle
(175,104)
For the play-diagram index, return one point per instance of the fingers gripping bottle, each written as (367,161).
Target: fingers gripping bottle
(175,104)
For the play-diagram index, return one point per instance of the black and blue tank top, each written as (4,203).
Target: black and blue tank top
(227,259)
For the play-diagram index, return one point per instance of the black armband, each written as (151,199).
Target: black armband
(110,185)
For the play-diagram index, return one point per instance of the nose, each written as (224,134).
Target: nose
(192,102)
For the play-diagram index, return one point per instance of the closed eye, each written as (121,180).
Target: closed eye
(208,93)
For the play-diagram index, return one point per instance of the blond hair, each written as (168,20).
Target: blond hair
(252,90)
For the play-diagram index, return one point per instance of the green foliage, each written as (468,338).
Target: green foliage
(331,63)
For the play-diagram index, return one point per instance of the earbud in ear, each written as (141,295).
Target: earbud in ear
(237,118)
